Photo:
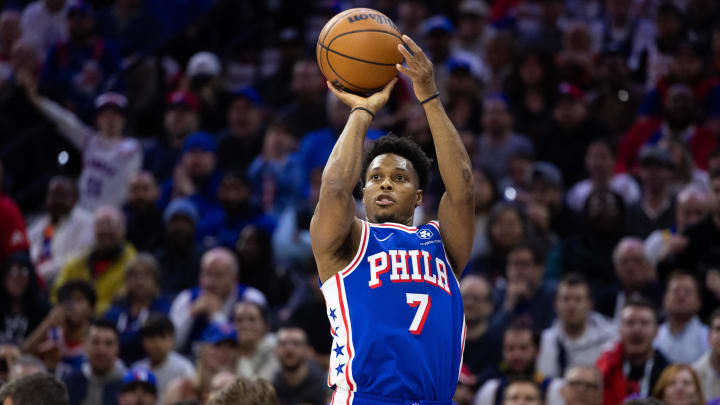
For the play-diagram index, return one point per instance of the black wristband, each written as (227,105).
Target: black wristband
(364,109)
(436,95)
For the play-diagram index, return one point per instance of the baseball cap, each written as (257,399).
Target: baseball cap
(548,173)
(110,99)
(182,98)
(655,155)
(139,376)
(571,91)
(181,206)
(248,93)
(203,63)
(473,7)
(437,23)
(200,140)
(458,65)
(218,332)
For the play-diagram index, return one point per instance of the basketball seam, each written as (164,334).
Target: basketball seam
(321,42)
(354,58)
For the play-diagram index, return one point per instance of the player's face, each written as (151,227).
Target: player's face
(391,190)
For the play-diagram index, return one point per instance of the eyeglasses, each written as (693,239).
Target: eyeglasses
(590,386)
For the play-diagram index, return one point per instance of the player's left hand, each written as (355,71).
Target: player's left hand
(419,69)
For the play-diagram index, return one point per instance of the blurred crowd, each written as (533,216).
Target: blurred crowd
(161,160)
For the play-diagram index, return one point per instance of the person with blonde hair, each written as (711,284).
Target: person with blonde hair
(679,385)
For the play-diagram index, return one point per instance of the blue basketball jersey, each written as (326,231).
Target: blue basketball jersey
(396,318)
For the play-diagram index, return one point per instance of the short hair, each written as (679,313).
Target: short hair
(591,369)
(106,324)
(684,273)
(157,324)
(610,146)
(538,253)
(38,388)
(523,379)
(574,279)
(666,378)
(244,391)
(638,301)
(84,287)
(627,241)
(523,326)
(403,147)
(148,260)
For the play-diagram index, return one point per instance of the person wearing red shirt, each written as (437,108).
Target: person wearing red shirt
(13,234)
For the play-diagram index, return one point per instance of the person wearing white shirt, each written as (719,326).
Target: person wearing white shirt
(44,23)
(579,335)
(213,300)
(64,232)
(682,338)
(708,367)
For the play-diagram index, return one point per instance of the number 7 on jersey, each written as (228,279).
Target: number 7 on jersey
(423,302)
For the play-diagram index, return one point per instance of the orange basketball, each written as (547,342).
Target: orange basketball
(357,50)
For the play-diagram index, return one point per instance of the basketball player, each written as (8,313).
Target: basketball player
(391,289)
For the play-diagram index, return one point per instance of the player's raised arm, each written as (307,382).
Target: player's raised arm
(456,211)
(332,224)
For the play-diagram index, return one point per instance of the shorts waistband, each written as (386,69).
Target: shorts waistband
(358,398)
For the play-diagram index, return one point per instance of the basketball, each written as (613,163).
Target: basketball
(357,50)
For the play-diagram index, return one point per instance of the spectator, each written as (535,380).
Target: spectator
(26,365)
(599,163)
(109,159)
(583,386)
(179,258)
(144,220)
(707,367)
(140,298)
(13,237)
(480,356)
(306,301)
(498,142)
(632,366)
(656,208)
(682,336)
(686,172)
(203,71)
(306,112)
(256,344)
(679,385)
(635,275)
(467,385)
(158,340)
(59,340)
(579,335)
(241,141)
(22,305)
(546,208)
(39,388)
(246,391)
(473,31)
(507,227)
(131,25)
(620,28)
(45,23)
(99,380)
(180,120)
(299,380)
(691,207)
(519,352)
(217,354)
(138,387)
(486,195)
(526,295)
(10,32)
(213,300)
(61,234)
(522,391)
(104,263)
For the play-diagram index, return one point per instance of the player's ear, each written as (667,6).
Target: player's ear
(418,197)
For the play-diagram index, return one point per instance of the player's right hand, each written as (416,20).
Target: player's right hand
(374,102)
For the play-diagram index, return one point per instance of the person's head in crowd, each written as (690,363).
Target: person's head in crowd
(278,141)
(519,173)
(526,267)
(522,390)
(500,51)
(102,345)
(472,19)
(110,114)
(138,387)
(142,279)
(669,22)
(460,84)
(10,30)
(507,227)
(656,170)
(180,219)
(109,228)
(204,69)
(437,32)
(519,349)
(19,285)
(714,335)
(575,62)
(244,113)
(618,11)
(251,325)
(292,348)
(198,156)
(62,194)
(604,212)
(307,84)
(600,161)
(143,191)
(715,193)
(533,69)
(680,107)
(25,56)
(219,352)
(26,365)
(477,299)
(611,68)
(496,117)
(546,185)
(682,300)
(181,116)
(158,337)
(234,193)
(337,112)
(81,22)
(38,388)
(583,386)
(245,391)
(573,303)
(77,298)
(485,190)
(632,267)
(683,162)
(570,109)
(687,62)
(218,272)
(467,385)
(638,328)
(254,247)
(679,385)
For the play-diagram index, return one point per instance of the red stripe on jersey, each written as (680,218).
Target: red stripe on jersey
(397,226)
(347,330)
(361,251)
